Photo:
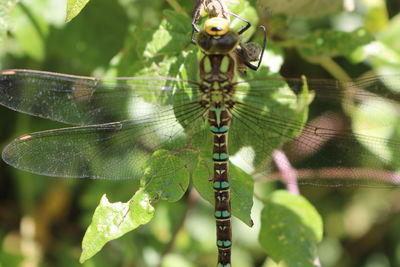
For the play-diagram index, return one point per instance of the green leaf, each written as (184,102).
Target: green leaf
(331,43)
(290,229)
(5,7)
(171,37)
(277,100)
(383,55)
(368,118)
(30,31)
(245,10)
(241,185)
(42,35)
(112,220)
(377,16)
(165,176)
(302,8)
(390,34)
(74,7)
(160,51)
(95,50)
(303,101)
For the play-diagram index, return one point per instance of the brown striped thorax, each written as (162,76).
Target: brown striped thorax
(217,38)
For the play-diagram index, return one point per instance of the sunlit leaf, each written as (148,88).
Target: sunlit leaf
(166,176)
(291,228)
(5,7)
(368,121)
(112,220)
(74,7)
(331,43)
(383,55)
(241,189)
(306,8)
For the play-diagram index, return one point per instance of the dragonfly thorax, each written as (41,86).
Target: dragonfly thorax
(216,96)
(217,37)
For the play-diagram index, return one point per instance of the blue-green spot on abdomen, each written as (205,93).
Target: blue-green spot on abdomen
(220,156)
(220,185)
(222,214)
(224,244)
(223,265)
(219,130)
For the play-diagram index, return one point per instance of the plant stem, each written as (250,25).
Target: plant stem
(175,5)
(348,89)
(287,172)
(334,69)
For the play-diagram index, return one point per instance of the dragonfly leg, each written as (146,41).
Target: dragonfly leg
(244,28)
(196,16)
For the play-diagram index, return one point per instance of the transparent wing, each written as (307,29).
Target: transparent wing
(158,112)
(346,93)
(354,133)
(106,151)
(81,100)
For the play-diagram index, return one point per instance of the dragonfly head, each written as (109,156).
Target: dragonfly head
(216,26)
(217,37)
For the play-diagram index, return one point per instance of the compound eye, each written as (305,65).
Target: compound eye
(216,26)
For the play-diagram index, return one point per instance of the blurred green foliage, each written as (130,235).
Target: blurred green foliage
(42,220)
(290,221)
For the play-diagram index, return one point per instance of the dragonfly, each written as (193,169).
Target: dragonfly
(120,123)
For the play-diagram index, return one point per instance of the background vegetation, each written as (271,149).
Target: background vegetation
(42,219)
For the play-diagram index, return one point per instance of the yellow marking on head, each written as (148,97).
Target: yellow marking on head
(25,137)
(8,72)
(216,26)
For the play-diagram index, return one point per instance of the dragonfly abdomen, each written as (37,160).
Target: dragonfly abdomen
(219,120)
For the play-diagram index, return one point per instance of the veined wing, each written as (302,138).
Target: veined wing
(114,150)
(266,115)
(82,100)
(263,123)
(346,93)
